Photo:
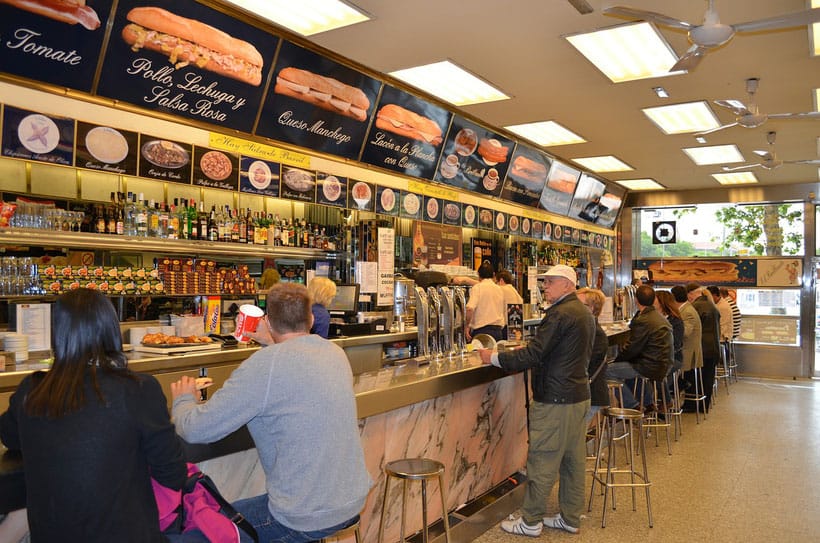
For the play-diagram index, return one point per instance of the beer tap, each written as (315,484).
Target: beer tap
(459,316)
(434,306)
(446,338)
(423,322)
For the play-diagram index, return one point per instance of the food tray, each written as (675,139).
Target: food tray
(178,347)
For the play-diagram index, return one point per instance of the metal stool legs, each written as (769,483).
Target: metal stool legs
(653,419)
(636,479)
(422,469)
(698,396)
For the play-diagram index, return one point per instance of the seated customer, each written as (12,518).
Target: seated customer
(92,433)
(649,350)
(296,397)
(322,291)
(594,300)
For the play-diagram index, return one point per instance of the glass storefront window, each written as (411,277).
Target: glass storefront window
(770,316)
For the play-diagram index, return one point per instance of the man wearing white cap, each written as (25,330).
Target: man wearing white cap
(558,355)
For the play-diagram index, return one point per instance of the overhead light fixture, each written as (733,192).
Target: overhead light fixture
(714,154)
(640,184)
(700,139)
(451,83)
(627,52)
(660,92)
(546,133)
(602,164)
(814,32)
(736,178)
(306,17)
(683,118)
(817,98)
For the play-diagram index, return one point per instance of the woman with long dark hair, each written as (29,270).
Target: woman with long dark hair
(92,433)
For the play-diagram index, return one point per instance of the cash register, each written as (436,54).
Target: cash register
(343,309)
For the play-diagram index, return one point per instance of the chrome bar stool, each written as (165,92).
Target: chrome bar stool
(606,477)
(722,372)
(653,419)
(732,361)
(415,469)
(698,396)
(344,531)
(674,409)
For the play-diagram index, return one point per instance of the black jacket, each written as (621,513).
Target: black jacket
(597,387)
(558,354)
(650,345)
(710,327)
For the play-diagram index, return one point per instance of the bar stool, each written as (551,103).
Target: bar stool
(631,417)
(698,396)
(732,361)
(722,372)
(352,528)
(674,410)
(415,469)
(653,420)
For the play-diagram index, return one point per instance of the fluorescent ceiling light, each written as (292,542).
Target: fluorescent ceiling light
(603,164)
(714,154)
(627,52)
(700,139)
(451,83)
(814,32)
(306,17)
(683,118)
(736,178)
(546,133)
(640,184)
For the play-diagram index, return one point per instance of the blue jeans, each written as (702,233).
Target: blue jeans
(255,510)
(622,371)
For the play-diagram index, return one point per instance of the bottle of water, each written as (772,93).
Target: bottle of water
(130,221)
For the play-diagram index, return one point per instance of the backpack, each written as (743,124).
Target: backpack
(199,505)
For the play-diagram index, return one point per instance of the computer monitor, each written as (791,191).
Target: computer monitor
(346,301)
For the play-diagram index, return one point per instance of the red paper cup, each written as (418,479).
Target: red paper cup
(246,321)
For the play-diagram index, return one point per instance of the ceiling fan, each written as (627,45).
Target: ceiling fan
(750,116)
(769,161)
(712,33)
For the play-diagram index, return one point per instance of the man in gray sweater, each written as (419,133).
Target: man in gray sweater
(296,398)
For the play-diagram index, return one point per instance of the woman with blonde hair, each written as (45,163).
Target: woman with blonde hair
(322,291)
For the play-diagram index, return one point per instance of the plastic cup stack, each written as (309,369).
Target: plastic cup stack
(17,344)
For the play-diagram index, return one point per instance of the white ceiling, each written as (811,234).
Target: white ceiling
(517,45)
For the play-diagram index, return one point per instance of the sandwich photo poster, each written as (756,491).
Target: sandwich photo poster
(526,176)
(72,32)
(317,103)
(33,136)
(406,135)
(613,201)
(559,189)
(166,74)
(474,158)
(586,202)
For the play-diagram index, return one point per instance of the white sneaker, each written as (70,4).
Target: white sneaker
(517,526)
(559,523)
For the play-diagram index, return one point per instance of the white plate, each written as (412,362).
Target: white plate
(38,133)
(331,188)
(411,203)
(432,208)
(361,194)
(259,174)
(499,221)
(525,225)
(451,211)
(106,145)
(469,215)
(388,199)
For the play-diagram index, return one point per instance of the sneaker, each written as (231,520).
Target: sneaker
(559,523)
(517,526)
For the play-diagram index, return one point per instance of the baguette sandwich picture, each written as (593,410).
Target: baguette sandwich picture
(707,271)
(190,42)
(528,170)
(324,92)
(66,11)
(401,121)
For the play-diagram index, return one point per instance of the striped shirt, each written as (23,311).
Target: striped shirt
(735,318)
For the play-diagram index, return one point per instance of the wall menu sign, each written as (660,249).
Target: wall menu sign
(106,149)
(526,176)
(474,158)
(443,244)
(298,184)
(165,160)
(259,177)
(201,70)
(332,190)
(65,52)
(318,103)
(215,169)
(559,189)
(34,136)
(406,135)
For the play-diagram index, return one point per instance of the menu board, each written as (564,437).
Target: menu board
(406,135)
(259,177)
(474,158)
(107,149)
(215,169)
(441,244)
(361,196)
(387,201)
(526,177)
(410,205)
(451,213)
(63,52)
(219,80)
(586,202)
(318,103)
(432,209)
(165,160)
(612,201)
(297,184)
(560,186)
(34,136)
(332,190)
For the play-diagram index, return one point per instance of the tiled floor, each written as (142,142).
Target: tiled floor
(749,473)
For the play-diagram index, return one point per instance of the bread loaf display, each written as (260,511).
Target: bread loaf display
(704,271)
(401,121)
(66,11)
(324,92)
(528,170)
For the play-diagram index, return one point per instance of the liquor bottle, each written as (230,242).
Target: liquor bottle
(164,221)
(153,219)
(111,215)
(191,220)
(240,228)
(99,219)
(213,225)
(173,222)
(236,223)
(251,234)
(120,215)
(202,219)
(142,216)
(277,232)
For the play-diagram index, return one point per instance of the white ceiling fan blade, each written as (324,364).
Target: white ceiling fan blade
(812,161)
(737,107)
(705,132)
(804,115)
(690,59)
(762,153)
(798,18)
(643,15)
(582,6)
(737,168)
